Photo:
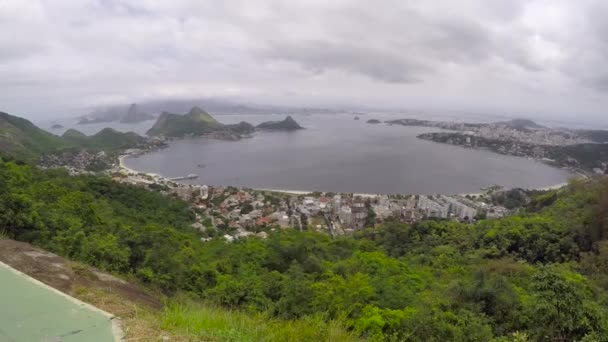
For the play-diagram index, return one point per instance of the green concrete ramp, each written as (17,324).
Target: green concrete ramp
(31,311)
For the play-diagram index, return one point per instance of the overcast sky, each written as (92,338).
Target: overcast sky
(545,57)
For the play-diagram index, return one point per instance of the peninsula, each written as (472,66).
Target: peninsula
(585,151)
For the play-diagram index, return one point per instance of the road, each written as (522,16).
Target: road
(32,311)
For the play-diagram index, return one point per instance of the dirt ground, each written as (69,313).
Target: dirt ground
(67,276)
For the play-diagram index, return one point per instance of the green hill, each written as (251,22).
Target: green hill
(107,139)
(19,138)
(22,140)
(196,122)
(199,115)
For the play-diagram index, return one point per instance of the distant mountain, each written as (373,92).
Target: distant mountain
(131,115)
(288,124)
(222,106)
(85,120)
(21,139)
(196,122)
(107,140)
(213,105)
(57,126)
(134,115)
(73,135)
(520,124)
(373,121)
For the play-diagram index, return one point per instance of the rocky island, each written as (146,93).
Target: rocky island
(373,121)
(197,122)
(288,124)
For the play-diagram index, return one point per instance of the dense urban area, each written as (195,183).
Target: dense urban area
(239,212)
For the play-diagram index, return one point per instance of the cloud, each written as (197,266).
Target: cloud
(318,56)
(66,55)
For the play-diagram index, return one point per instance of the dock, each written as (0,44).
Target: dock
(190,176)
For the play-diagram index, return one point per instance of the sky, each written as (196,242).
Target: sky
(533,58)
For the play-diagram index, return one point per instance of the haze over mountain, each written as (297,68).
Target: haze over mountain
(518,58)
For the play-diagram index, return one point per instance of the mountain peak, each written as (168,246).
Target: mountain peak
(132,109)
(198,114)
(196,110)
(287,124)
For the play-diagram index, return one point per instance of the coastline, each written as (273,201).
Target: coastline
(553,187)
(122,166)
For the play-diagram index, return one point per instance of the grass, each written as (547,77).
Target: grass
(208,323)
(184,320)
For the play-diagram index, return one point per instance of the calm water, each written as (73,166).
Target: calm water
(337,153)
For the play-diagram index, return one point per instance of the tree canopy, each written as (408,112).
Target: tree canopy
(540,275)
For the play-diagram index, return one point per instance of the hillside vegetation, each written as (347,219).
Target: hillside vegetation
(21,138)
(540,275)
(107,139)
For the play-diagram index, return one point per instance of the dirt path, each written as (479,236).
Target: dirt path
(67,276)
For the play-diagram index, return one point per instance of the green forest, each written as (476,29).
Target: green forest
(540,275)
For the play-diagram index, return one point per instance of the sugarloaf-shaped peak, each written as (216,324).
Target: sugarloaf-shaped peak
(133,115)
(132,109)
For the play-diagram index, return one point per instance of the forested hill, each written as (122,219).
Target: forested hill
(540,275)
(21,139)
(107,139)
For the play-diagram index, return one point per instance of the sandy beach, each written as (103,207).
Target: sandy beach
(303,192)
(123,166)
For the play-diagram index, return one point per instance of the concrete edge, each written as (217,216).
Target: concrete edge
(116,325)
